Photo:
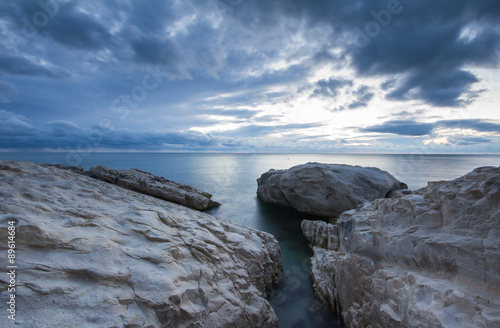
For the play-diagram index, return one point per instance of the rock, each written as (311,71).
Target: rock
(98,255)
(321,234)
(77,169)
(399,193)
(429,259)
(325,190)
(150,184)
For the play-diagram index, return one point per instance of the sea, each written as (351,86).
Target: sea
(231,179)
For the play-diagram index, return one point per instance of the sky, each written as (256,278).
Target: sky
(370,76)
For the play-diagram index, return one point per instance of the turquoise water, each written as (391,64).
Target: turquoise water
(231,178)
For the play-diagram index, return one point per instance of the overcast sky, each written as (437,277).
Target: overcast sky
(250,75)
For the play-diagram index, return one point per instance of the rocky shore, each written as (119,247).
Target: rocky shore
(429,259)
(104,248)
(97,255)
(148,184)
(325,189)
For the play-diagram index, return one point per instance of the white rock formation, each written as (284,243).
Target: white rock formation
(92,254)
(150,184)
(430,259)
(325,189)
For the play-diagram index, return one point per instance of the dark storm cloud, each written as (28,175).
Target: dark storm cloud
(155,51)
(14,125)
(414,128)
(128,32)
(18,132)
(24,66)
(441,89)
(431,51)
(75,29)
(150,16)
(157,141)
(423,50)
(61,21)
(261,14)
(429,44)
(426,41)
(6,91)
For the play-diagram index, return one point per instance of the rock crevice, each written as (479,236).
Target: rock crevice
(427,259)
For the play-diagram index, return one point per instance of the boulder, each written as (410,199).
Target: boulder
(325,190)
(428,259)
(96,255)
(150,184)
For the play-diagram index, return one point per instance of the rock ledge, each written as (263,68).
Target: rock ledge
(156,186)
(430,259)
(95,254)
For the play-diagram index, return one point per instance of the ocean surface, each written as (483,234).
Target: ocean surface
(231,178)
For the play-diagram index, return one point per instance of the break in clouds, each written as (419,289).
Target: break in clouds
(249,75)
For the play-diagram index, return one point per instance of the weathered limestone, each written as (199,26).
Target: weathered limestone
(150,184)
(429,259)
(96,255)
(325,189)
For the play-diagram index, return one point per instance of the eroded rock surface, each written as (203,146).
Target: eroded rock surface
(325,189)
(93,254)
(150,184)
(429,259)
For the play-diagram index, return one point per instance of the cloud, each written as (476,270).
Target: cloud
(471,124)
(24,66)
(431,54)
(236,113)
(253,66)
(401,127)
(70,23)
(266,118)
(362,97)
(15,125)
(330,88)
(166,53)
(155,51)
(263,130)
(150,16)
(414,128)
(6,91)
(17,132)
(468,141)
(439,89)
(77,28)
(428,53)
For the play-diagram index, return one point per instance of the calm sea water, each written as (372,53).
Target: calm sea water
(231,178)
